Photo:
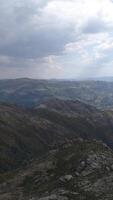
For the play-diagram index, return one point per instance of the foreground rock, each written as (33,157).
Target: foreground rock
(81,170)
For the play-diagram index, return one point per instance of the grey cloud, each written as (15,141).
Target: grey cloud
(29,32)
(21,36)
(38,43)
(94,25)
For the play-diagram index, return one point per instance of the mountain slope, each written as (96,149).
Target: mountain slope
(29,133)
(52,152)
(68,107)
(23,136)
(84,120)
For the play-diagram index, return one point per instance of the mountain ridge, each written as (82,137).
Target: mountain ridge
(31,92)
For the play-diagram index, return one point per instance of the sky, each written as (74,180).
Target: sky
(56,38)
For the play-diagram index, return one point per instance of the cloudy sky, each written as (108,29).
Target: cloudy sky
(56,38)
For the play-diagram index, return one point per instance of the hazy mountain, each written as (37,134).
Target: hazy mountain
(30,92)
(103,78)
(108,79)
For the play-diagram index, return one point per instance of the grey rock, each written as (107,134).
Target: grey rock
(66,178)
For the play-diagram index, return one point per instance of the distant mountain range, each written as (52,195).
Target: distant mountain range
(29,92)
(104,78)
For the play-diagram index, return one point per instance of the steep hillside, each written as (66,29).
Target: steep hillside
(68,107)
(29,133)
(53,152)
(24,136)
(84,120)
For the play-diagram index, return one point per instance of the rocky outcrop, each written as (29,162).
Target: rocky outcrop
(81,170)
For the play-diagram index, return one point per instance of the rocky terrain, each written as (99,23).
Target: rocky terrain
(78,169)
